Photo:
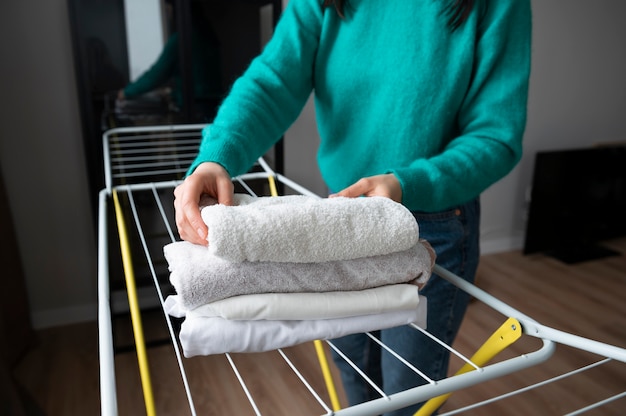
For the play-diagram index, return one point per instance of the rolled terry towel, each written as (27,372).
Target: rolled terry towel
(200,277)
(305,229)
(213,335)
(305,306)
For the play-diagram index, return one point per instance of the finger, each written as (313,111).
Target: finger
(181,222)
(361,187)
(185,231)
(191,212)
(225,191)
(190,225)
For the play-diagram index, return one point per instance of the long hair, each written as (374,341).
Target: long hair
(457,10)
(339,6)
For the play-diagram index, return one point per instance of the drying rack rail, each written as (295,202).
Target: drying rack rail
(144,214)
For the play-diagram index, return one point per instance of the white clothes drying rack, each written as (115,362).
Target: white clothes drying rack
(142,167)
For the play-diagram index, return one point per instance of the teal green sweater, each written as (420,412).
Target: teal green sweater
(396,91)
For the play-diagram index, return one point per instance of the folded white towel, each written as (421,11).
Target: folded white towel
(305,229)
(200,277)
(303,306)
(214,335)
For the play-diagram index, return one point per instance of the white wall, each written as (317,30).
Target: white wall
(577,98)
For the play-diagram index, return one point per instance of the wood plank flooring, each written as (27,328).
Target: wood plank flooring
(61,372)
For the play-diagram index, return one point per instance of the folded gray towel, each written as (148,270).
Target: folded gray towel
(305,229)
(200,277)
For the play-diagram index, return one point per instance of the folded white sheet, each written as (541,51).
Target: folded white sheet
(201,278)
(214,335)
(301,306)
(304,229)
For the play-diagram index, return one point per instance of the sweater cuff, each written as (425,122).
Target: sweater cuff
(217,148)
(417,192)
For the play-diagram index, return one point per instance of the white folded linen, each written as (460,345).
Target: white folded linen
(302,306)
(200,277)
(214,335)
(305,229)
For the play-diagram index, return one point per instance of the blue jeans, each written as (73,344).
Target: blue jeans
(454,234)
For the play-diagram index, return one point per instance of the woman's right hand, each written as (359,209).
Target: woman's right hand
(208,178)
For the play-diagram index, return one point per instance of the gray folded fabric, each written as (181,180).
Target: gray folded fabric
(200,277)
(305,229)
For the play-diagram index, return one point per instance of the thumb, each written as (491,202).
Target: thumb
(353,191)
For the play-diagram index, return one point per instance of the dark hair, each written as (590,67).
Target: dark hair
(339,5)
(457,10)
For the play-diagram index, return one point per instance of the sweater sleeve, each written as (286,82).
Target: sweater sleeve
(491,120)
(269,96)
(159,73)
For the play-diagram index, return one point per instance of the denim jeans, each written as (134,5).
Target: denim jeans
(454,234)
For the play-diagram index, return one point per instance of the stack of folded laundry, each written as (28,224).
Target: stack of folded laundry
(280,271)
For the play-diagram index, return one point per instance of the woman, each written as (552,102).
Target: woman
(421,101)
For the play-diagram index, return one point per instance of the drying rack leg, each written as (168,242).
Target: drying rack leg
(140,345)
(328,378)
(504,336)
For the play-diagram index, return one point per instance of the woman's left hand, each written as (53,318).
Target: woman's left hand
(386,185)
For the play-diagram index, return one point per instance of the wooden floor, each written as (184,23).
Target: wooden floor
(61,372)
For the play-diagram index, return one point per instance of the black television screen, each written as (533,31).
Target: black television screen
(578,199)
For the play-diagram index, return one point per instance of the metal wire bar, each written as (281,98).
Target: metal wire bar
(243,384)
(245,186)
(164,140)
(598,404)
(147,159)
(402,359)
(136,144)
(161,128)
(156,172)
(444,345)
(304,381)
(157,199)
(358,370)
